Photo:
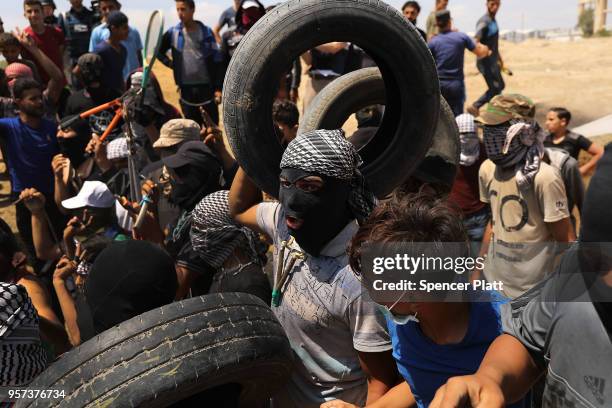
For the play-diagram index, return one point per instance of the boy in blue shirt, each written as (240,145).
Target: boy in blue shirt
(432,339)
(30,143)
(133,42)
(113,52)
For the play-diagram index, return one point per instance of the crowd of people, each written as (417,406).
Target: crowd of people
(203,226)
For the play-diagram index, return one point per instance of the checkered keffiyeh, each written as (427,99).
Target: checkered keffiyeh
(519,145)
(470,145)
(530,135)
(215,235)
(21,352)
(328,153)
(465,123)
(117,149)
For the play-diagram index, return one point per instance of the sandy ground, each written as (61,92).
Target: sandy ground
(577,75)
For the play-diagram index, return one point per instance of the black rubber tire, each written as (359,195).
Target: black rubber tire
(166,355)
(356,90)
(290,29)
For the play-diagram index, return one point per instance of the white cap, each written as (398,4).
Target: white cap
(93,194)
(249,3)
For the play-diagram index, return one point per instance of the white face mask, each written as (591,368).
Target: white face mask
(399,320)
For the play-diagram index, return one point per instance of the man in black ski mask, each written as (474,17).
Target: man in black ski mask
(331,323)
(321,188)
(74,140)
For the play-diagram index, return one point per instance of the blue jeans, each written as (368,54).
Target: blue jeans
(453,90)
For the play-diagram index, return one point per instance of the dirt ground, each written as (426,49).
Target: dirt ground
(576,75)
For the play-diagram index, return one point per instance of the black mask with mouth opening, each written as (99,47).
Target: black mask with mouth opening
(324,212)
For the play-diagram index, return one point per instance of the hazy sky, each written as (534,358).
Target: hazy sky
(514,14)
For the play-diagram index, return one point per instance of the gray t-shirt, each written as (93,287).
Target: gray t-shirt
(194,63)
(560,326)
(327,317)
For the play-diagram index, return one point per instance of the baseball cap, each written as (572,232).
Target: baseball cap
(93,194)
(249,3)
(91,66)
(503,108)
(176,131)
(188,153)
(116,19)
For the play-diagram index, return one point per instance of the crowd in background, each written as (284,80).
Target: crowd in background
(208,228)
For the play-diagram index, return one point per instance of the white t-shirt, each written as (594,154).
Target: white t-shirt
(522,250)
(328,318)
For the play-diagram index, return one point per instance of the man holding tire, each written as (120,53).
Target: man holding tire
(338,337)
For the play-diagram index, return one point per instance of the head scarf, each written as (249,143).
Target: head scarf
(17,70)
(518,145)
(127,279)
(215,235)
(470,145)
(21,352)
(117,149)
(329,153)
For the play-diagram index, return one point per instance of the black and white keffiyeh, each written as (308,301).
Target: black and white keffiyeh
(470,145)
(517,144)
(21,352)
(328,153)
(215,235)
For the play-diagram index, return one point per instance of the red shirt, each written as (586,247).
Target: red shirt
(465,193)
(49,43)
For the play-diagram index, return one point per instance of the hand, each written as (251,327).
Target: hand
(212,137)
(76,225)
(58,164)
(338,404)
(98,149)
(149,188)
(294,95)
(25,40)
(469,391)
(149,230)
(33,200)
(64,268)
(218,97)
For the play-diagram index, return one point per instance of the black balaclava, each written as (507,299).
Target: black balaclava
(324,213)
(327,154)
(127,279)
(200,174)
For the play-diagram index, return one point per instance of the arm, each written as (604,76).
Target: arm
(51,327)
(505,375)
(562,230)
(399,396)
(60,165)
(597,152)
(56,81)
(44,246)
(217,33)
(213,138)
(64,269)
(307,58)
(332,47)
(185,278)
(244,196)
(481,51)
(162,54)
(381,371)
(484,250)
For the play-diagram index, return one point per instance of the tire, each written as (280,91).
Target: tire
(290,29)
(364,87)
(171,354)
